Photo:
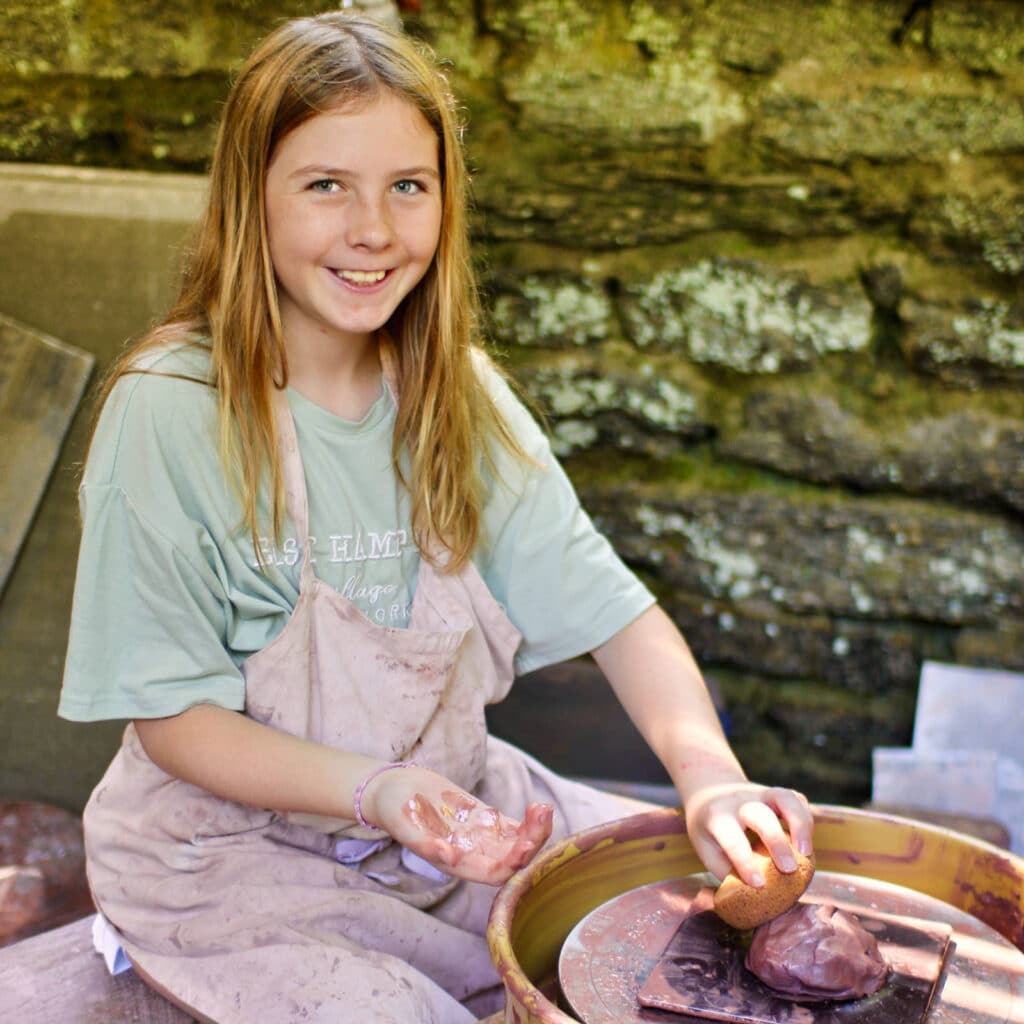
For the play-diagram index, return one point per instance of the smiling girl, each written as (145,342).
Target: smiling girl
(306,817)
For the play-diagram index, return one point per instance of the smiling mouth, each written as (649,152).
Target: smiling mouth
(361,277)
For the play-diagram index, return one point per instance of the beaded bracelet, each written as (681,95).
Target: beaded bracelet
(357,799)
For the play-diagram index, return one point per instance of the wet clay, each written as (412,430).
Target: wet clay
(814,951)
(470,831)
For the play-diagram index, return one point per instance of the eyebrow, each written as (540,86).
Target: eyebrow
(341,172)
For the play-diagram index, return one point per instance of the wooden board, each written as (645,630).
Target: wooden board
(41,384)
(57,978)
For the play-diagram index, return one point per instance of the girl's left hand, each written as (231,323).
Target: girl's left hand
(718,818)
(453,830)
(476,842)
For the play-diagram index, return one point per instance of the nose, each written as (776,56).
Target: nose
(369,223)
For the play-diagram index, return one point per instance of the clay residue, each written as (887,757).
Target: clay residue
(999,912)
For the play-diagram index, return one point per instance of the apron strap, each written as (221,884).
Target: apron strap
(389,363)
(296,501)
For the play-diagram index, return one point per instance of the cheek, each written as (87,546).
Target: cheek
(278,237)
(295,239)
(428,236)
(283,259)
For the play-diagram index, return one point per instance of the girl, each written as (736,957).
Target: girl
(319,536)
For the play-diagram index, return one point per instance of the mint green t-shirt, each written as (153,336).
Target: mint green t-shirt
(170,598)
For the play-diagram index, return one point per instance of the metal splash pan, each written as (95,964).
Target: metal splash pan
(702,973)
(948,967)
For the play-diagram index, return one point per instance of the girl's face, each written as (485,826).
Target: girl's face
(353,203)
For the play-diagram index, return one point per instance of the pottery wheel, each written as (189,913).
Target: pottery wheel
(609,955)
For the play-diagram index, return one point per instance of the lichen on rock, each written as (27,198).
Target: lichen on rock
(982,340)
(588,403)
(984,36)
(985,227)
(744,318)
(551,310)
(872,560)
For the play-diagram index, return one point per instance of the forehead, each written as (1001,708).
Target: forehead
(380,128)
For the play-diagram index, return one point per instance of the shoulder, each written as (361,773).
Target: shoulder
(161,404)
(492,378)
(176,354)
(507,401)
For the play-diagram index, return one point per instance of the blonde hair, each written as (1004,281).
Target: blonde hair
(445,417)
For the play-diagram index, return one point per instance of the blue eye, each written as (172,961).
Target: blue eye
(324,185)
(408,187)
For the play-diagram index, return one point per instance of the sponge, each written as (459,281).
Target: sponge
(744,906)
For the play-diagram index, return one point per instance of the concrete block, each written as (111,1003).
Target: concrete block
(1010,800)
(954,781)
(979,783)
(960,707)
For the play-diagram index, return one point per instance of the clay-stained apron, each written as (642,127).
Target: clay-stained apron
(240,914)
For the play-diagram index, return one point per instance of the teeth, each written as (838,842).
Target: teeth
(362,276)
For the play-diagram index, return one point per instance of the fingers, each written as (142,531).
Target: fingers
(519,841)
(760,818)
(724,822)
(796,812)
(533,833)
(738,857)
(537,823)
(439,853)
(520,855)
(764,819)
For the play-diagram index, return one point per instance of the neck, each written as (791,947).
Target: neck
(343,379)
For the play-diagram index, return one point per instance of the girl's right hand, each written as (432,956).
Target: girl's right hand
(449,827)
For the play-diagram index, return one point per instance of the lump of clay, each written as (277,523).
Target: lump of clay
(814,951)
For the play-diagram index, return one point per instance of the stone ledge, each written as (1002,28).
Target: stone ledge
(57,978)
(96,192)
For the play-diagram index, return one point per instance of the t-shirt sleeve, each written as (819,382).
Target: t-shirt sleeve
(150,611)
(146,622)
(559,579)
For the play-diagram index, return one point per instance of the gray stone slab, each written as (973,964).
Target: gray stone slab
(41,384)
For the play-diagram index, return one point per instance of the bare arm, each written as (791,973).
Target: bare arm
(239,759)
(654,675)
(242,760)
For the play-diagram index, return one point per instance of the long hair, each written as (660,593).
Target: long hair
(445,420)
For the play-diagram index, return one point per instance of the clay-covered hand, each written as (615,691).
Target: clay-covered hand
(719,818)
(449,827)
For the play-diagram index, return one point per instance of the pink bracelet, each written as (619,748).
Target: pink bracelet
(357,799)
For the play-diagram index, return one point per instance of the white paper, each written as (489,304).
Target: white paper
(107,942)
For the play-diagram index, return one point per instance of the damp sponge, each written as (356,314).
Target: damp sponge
(743,906)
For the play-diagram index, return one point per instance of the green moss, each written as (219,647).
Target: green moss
(139,123)
(807,734)
(697,470)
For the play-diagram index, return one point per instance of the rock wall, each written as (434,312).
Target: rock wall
(759,263)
